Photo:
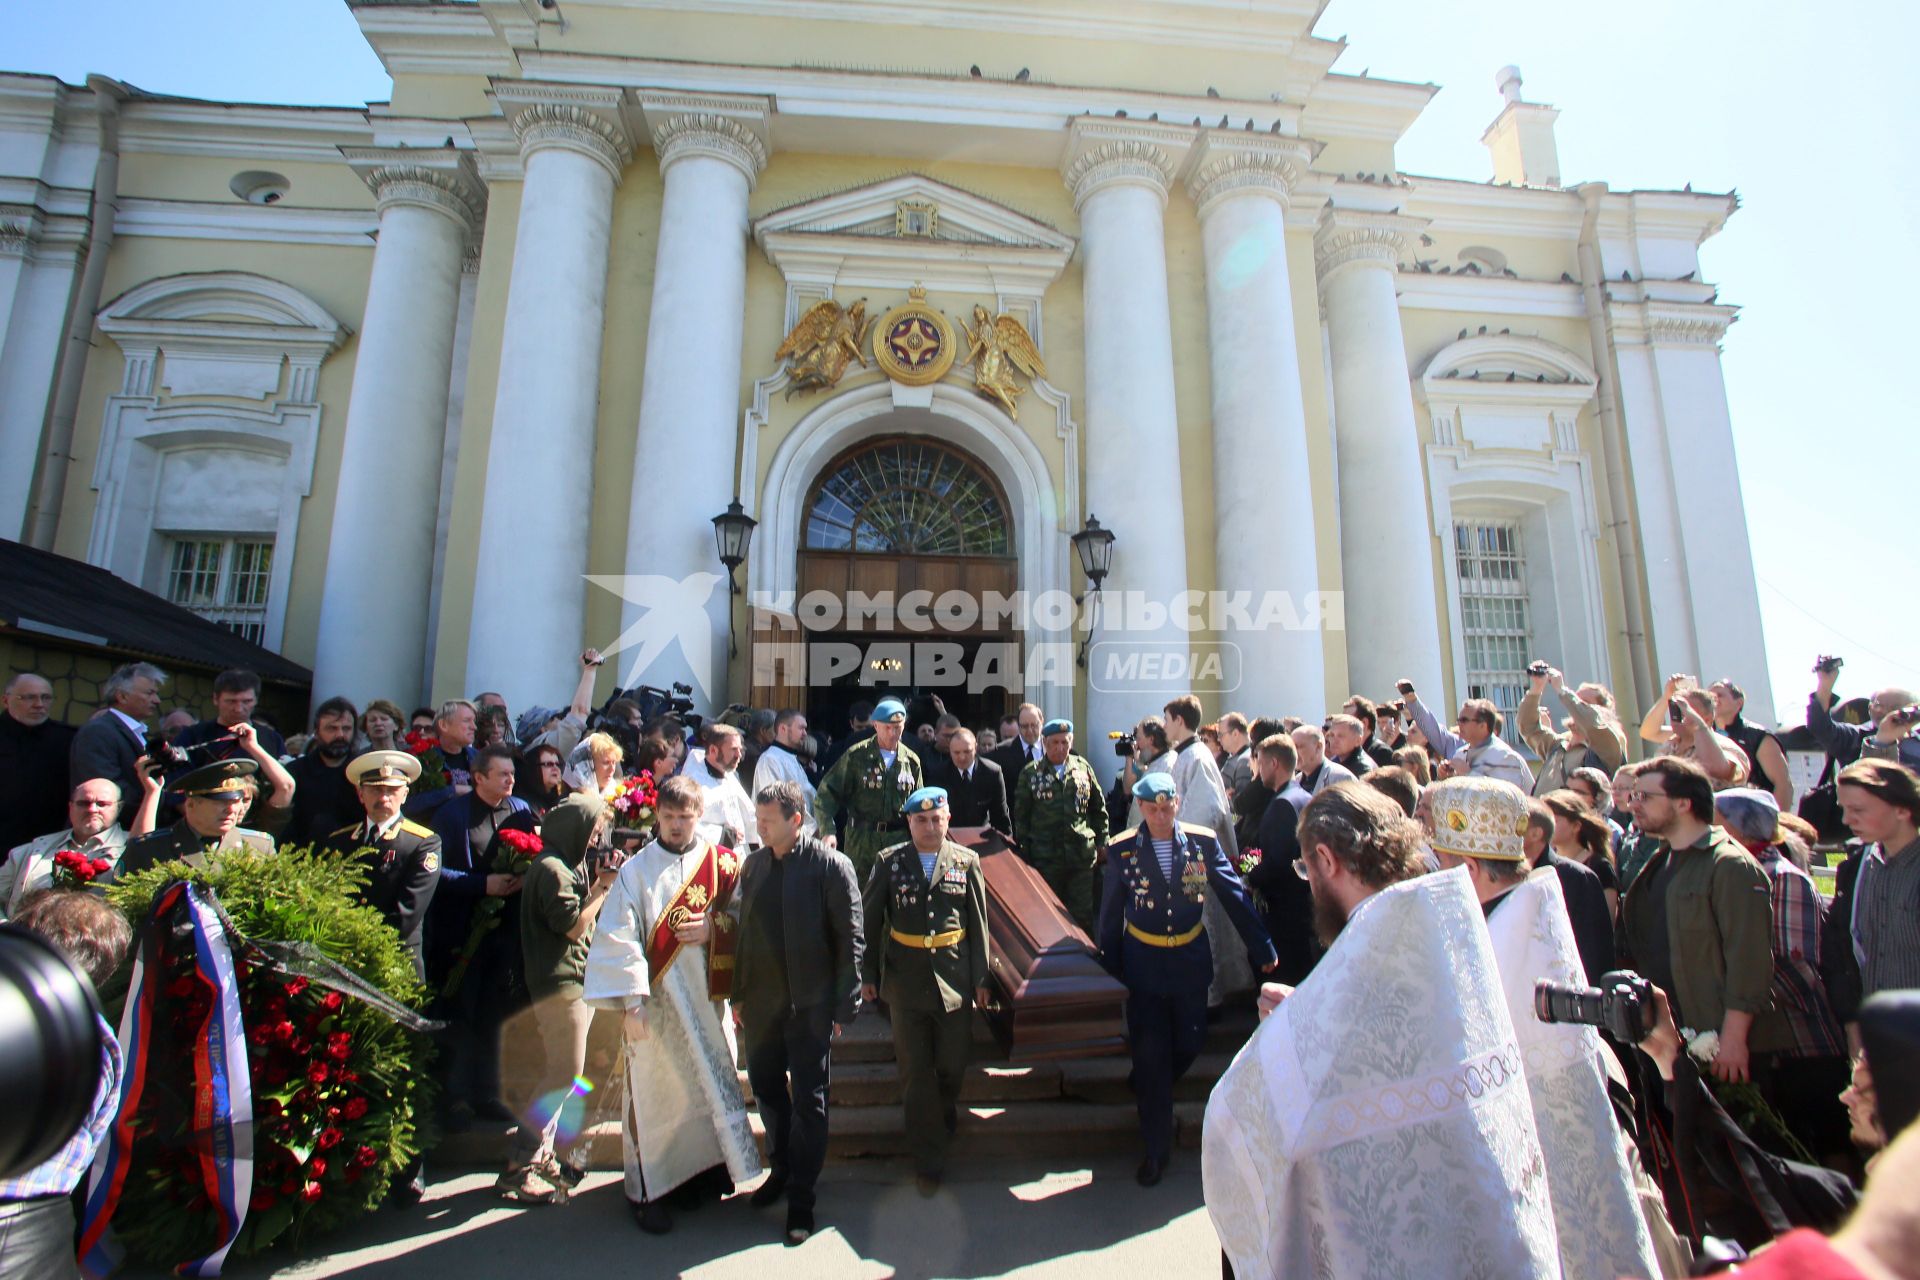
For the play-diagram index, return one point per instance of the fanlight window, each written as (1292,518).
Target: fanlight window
(909,497)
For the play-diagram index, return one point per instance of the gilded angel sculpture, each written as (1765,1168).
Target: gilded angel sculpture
(996,347)
(821,344)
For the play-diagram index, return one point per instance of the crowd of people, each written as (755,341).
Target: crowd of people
(736,890)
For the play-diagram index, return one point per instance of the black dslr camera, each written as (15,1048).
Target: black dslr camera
(1826,663)
(1122,743)
(1622,1005)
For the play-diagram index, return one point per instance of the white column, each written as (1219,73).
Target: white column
(1386,547)
(380,552)
(39,266)
(1120,173)
(529,594)
(1264,534)
(686,451)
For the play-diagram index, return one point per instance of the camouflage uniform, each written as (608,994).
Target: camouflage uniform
(1062,821)
(871,794)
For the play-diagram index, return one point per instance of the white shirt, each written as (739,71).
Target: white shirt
(138,729)
(777,764)
(727,802)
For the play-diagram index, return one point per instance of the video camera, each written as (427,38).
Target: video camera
(1622,1005)
(1826,663)
(1123,742)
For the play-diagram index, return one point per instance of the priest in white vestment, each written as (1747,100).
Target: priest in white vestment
(1377,1125)
(1203,801)
(729,816)
(661,954)
(1480,824)
(781,763)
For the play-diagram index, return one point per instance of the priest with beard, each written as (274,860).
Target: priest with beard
(1480,824)
(324,799)
(662,956)
(1377,1123)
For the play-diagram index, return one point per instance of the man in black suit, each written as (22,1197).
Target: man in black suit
(1017,752)
(34,750)
(976,788)
(108,745)
(796,985)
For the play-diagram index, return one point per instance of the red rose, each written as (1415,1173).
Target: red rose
(330,1138)
(298,1046)
(317,1168)
(332,1001)
(348,1077)
(340,1046)
(318,1073)
(311,1193)
(295,987)
(365,1157)
(281,1032)
(262,1199)
(355,1108)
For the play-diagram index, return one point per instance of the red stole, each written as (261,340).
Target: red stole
(707,890)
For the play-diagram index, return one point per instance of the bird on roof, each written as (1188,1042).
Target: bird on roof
(974,71)
(1688,276)
(1627,276)
(1212,92)
(1509,377)
(1463,333)
(1483,331)
(1022,74)
(1567,279)
(1154,116)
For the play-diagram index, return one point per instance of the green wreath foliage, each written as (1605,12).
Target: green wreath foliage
(340,1089)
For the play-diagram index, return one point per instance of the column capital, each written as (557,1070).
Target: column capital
(584,119)
(1107,153)
(441,179)
(1349,236)
(1228,164)
(723,126)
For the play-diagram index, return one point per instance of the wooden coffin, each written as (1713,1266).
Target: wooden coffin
(1051,997)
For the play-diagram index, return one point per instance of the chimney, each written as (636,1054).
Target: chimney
(1521,137)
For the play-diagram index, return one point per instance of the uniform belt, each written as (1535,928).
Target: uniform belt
(1166,939)
(928,941)
(891,824)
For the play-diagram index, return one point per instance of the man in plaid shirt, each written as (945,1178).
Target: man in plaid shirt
(1803,1082)
(36,1208)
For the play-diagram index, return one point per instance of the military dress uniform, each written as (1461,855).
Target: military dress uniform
(181,841)
(1060,813)
(872,793)
(1152,938)
(402,857)
(927,954)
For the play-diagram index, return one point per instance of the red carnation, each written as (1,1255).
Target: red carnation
(260,1035)
(332,1001)
(318,1073)
(317,1168)
(348,1077)
(355,1108)
(365,1157)
(527,842)
(311,1193)
(295,987)
(340,1046)
(330,1138)
(333,1113)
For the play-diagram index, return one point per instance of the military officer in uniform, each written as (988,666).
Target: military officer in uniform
(870,780)
(402,856)
(213,797)
(925,909)
(1152,938)
(1060,812)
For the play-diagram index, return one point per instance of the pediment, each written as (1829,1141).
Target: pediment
(886,210)
(1506,358)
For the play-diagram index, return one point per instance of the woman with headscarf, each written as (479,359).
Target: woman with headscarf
(560,898)
(539,781)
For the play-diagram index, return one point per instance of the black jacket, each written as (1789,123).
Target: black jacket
(822,934)
(34,782)
(106,748)
(1587,911)
(979,803)
(1839,967)
(323,801)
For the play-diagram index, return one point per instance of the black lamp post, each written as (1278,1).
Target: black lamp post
(1094,545)
(733,534)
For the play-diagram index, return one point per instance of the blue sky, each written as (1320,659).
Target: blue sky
(1653,93)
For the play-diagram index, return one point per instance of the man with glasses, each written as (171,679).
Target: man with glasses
(1153,938)
(1698,920)
(33,761)
(1477,751)
(93,831)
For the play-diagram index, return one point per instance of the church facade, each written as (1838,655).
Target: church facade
(434,394)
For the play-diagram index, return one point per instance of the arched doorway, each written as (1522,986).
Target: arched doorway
(915,538)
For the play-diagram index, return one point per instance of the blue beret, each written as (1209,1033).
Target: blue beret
(890,709)
(925,800)
(1155,786)
(1059,724)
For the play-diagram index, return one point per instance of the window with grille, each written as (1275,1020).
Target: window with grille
(908,497)
(224,580)
(1494,612)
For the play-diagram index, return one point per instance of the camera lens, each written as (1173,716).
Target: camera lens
(49,1049)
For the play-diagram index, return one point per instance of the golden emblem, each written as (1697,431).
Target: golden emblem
(821,344)
(996,347)
(1456,820)
(696,896)
(913,344)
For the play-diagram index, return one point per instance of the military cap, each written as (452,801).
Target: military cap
(219,778)
(925,800)
(889,709)
(1059,724)
(383,769)
(1479,818)
(1156,786)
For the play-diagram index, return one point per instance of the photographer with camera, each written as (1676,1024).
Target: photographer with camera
(1845,743)
(1478,749)
(1683,724)
(1592,737)
(1142,751)
(36,1206)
